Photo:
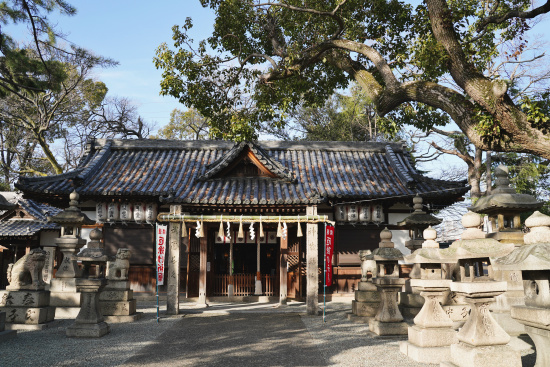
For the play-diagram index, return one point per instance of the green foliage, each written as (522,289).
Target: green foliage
(537,110)
(185,125)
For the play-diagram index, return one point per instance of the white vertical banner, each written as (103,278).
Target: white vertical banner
(161,251)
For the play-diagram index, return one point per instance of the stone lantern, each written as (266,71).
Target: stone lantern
(431,336)
(416,223)
(388,319)
(64,295)
(410,301)
(533,260)
(503,208)
(482,341)
(367,298)
(89,322)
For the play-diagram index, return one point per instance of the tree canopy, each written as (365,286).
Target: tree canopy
(456,58)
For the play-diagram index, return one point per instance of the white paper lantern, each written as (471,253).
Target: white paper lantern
(126,213)
(139,212)
(112,212)
(101,212)
(365,213)
(353,214)
(341,214)
(377,213)
(150,213)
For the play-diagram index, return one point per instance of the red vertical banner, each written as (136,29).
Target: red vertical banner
(329,250)
(161,252)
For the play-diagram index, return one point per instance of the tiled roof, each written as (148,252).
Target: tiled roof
(22,227)
(14,226)
(187,172)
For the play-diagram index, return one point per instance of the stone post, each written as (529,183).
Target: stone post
(174,251)
(47,272)
(312,265)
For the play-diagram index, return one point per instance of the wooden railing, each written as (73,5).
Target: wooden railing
(243,284)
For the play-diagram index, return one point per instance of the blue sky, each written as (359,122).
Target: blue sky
(129,31)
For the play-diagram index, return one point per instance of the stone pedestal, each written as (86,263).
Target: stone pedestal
(482,340)
(89,323)
(514,296)
(365,305)
(26,309)
(537,325)
(5,334)
(64,295)
(388,319)
(117,303)
(431,336)
(410,301)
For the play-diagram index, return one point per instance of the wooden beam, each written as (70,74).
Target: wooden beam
(174,259)
(312,265)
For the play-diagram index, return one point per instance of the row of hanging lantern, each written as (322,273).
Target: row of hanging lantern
(126,212)
(359,213)
(282,230)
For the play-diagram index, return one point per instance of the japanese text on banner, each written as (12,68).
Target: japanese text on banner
(329,250)
(161,251)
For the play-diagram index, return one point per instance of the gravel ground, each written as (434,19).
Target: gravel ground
(223,334)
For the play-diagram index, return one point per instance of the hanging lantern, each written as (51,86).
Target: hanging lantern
(377,213)
(341,215)
(101,212)
(126,212)
(299,232)
(262,234)
(151,213)
(139,212)
(365,213)
(353,214)
(112,212)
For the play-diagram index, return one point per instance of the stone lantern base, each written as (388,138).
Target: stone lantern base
(465,355)
(388,320)
(89,323)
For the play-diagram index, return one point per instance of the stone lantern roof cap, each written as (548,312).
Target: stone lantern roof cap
(504,197)
(535,254)
(418,217)
(71,215)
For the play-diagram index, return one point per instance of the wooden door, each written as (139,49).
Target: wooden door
(294,268)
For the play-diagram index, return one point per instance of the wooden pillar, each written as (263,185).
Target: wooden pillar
(174,251)
(202,274)
(283,278)
(312,265)
(258,283)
